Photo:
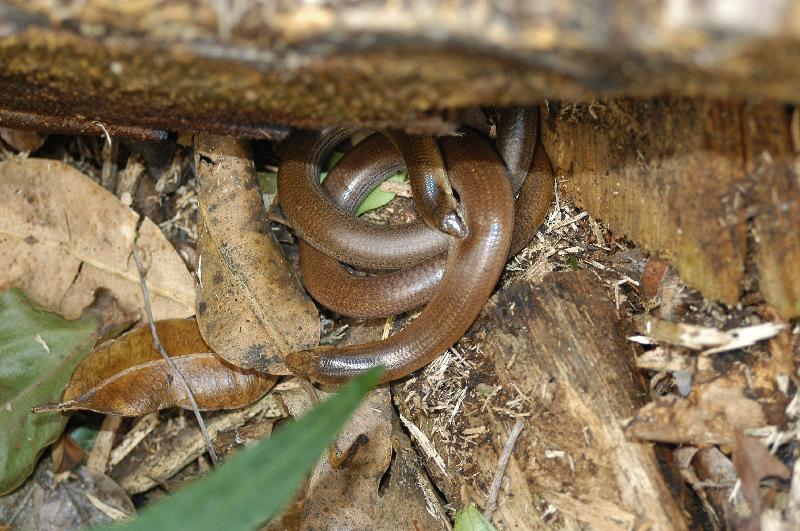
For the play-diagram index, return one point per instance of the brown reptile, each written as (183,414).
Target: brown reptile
(457,284)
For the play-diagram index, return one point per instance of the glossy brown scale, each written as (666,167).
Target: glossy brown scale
(474,264)
(363,168)
(359,172)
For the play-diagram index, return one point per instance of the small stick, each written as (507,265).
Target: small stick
(101,449)
(494,489)
(160,348)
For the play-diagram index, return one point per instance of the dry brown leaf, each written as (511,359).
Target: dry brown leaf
(62,236)
(250,306)
(356,495)
(710,415)
(83,499)
(408,500)
(231,440)
(129,377)
(347,497)
(753,462)
(654,272)
(65,454)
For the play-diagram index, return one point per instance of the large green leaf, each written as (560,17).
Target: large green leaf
(38,352)
(255,484)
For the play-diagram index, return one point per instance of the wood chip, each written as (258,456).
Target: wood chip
(425,444)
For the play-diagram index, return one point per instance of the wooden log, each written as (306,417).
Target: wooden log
(689,179)
(236,68)
(555,354)
(773,164)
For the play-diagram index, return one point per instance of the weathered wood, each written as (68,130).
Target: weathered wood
(773,165)
(556,351)
(688,179)
(236,67)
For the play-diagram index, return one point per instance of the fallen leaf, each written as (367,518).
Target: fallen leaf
(753,462)
(129,377)
(38,352)
(227,442)
(650,283)
(66,454)
(347,496)
(662,289)
(408,500)
(49,502)
(62,236)
(250,306)
(709,415)
(714,480)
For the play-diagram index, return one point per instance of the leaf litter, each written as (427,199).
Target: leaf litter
(250,306)
(575,240)
(58,243)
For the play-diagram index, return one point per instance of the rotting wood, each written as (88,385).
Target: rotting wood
(237,67)
(774,168)
(688,178)
(556,351)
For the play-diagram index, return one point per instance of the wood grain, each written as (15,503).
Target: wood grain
(560,348)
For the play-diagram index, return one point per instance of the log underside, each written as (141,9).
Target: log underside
(701,177)
(245,68)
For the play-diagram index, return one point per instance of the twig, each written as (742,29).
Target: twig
(101,449)
(160,348)
(494,489)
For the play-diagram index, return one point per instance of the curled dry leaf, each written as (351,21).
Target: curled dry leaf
(129,377)
(250,306)
(754,462)
(66,454)
(62,236)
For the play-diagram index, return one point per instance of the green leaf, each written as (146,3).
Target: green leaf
(377,198)
(471,519)
(38,352)
(333,160)
(256,483)
(573,263)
